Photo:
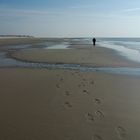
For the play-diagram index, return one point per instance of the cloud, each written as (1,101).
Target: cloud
(7,12)
(131,10)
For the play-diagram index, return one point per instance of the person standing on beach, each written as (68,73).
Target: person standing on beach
(94,41)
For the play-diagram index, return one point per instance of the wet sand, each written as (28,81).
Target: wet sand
(43,104)
(28,40)
(86,55)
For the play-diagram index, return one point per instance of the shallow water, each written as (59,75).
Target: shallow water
(7,61)
(128,47)
(59,46)
(10,62)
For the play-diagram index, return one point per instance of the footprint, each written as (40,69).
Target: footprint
(61,79)
(97,137)
(83,85)
(67,93)
(121,132)
(97,101)
(99,114)
(84,79)
(85,91)
(79,85)
(68,104)
(72,74)
(92,82)
(57,85)
(90,117)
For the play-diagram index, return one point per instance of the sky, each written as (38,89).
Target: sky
(70,18)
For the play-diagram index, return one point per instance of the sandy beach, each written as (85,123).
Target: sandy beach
(85,55)
(27,40)
(39,104)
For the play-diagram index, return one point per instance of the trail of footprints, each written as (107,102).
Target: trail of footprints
(98,114)
(67,104)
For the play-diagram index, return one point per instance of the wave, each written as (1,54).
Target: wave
(129,49)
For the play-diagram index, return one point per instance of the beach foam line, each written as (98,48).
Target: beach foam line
(59,46)
(12,63)
(131,54)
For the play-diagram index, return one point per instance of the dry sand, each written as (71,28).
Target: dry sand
(41,104)
(68,105)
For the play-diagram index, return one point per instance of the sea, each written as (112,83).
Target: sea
(128,47)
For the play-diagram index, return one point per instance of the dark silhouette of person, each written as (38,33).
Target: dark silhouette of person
(94,41)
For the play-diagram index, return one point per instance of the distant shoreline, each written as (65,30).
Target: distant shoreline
(15,36)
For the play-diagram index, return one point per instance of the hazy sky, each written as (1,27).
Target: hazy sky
(71,18)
